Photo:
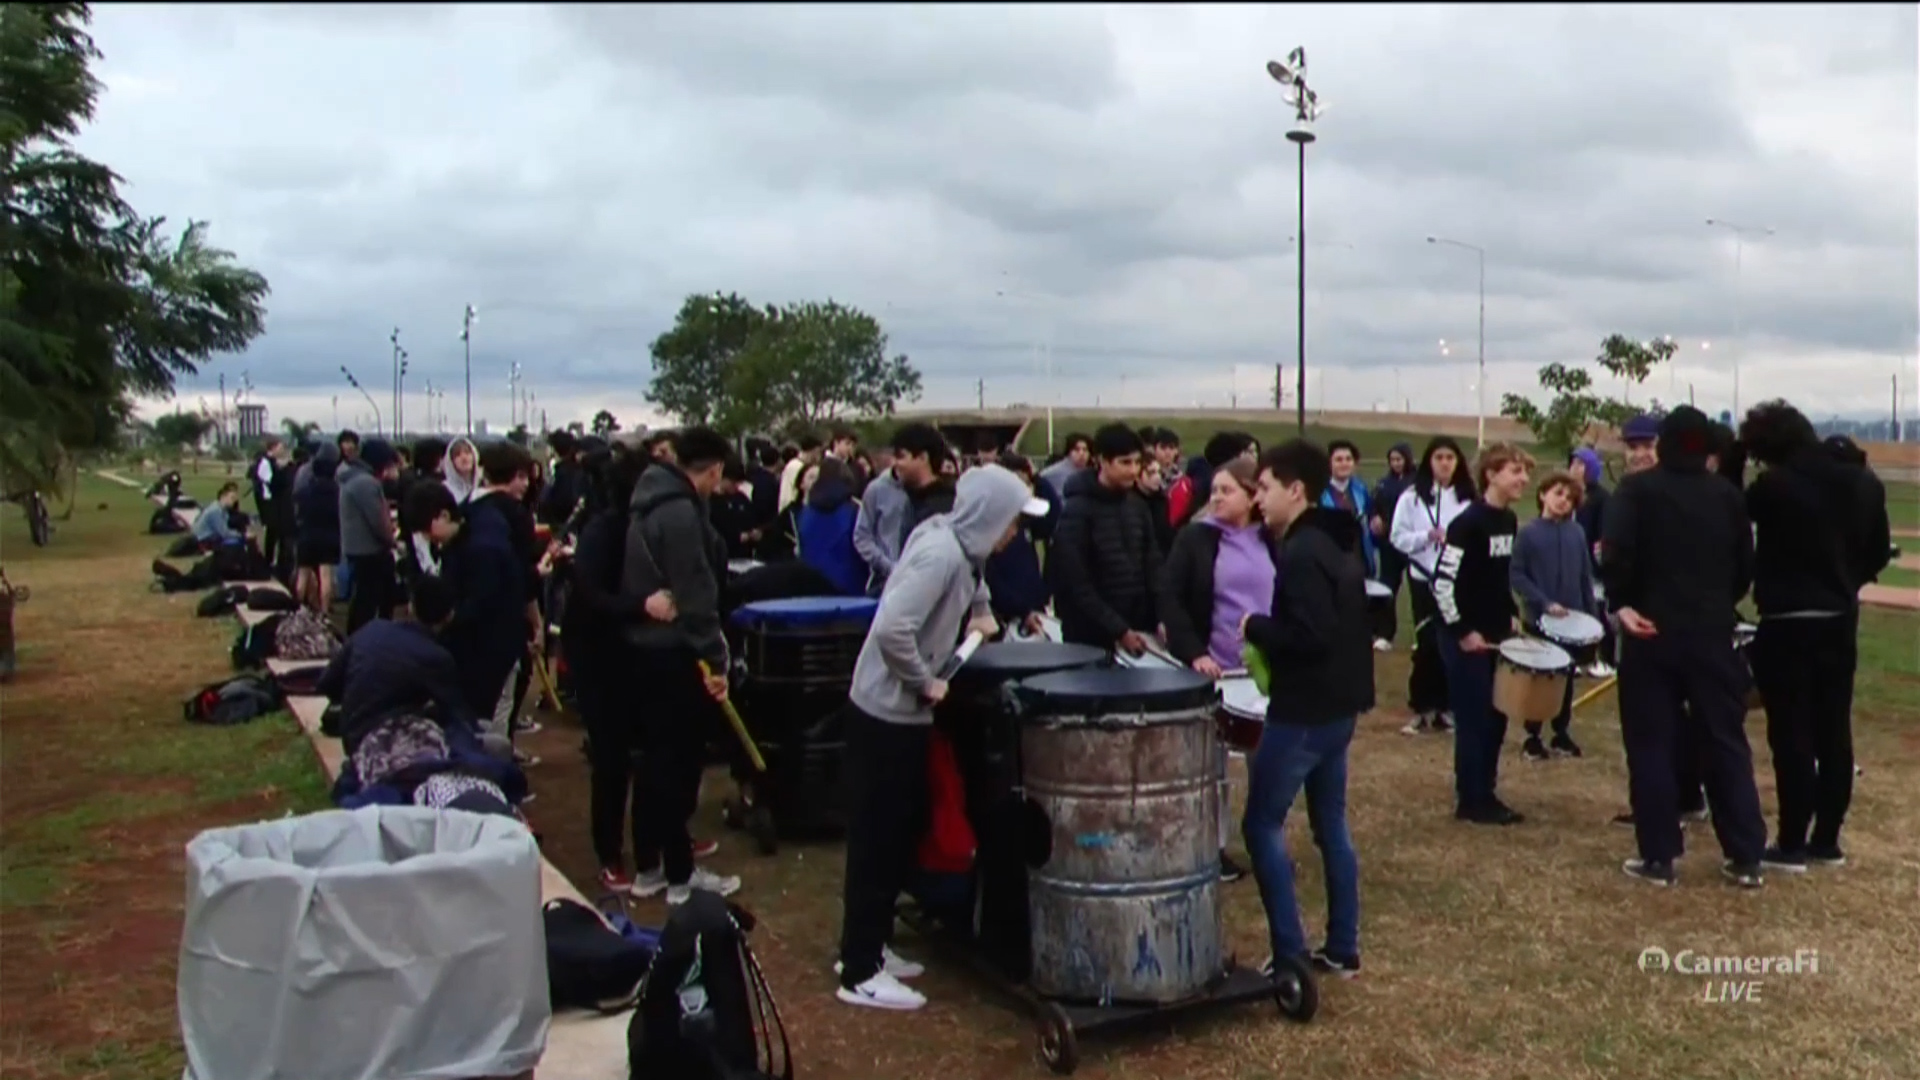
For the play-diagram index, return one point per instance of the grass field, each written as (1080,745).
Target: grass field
(1496,954)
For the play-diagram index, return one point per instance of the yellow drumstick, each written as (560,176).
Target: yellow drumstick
(739,726)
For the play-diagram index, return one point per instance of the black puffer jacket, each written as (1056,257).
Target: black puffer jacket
(1103,563)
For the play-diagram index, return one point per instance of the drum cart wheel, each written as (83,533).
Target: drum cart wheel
(1058,1049)
(1294,989)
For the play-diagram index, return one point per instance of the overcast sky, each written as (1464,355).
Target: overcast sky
(1121,175)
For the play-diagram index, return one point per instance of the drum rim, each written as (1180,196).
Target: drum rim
(1534,644)
(1597,631)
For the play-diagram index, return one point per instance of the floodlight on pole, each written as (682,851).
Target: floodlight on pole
(1740,234)
(466,340)
(1480,380)
(355,383)
(1292,77)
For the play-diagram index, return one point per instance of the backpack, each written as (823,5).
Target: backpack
(165,523)
(705,1010)
(220,602)
(256,644)
(235,701)
(590,965)
(303,635)
(239,562)
(267,598)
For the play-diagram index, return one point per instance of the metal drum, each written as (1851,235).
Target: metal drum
(1121,770)
(1743,635)
(979,717)
(799,656)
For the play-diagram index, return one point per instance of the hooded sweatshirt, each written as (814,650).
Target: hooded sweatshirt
(933,590)
(1386,493)
(826,535)
(1593,509)
(1805,525)
(462,487)
(671,544)
(316,508)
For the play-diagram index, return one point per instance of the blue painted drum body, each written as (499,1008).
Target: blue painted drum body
(1120,768)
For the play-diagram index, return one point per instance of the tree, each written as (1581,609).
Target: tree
(181,430)
(297,431)
(604,424)
(97,304)
(576,428)
(810,363)
(1575,407)
(692,361)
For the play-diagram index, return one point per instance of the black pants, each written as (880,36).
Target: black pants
(1427,682)
(278,539)
(1678,688)
(1393,570)
(885,772)
(1804,668)
(613,752)
(372,590)
(676,716)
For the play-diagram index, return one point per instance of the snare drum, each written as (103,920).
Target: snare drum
(1243,712)
(1576,632)
(1743,635)
(1530,679)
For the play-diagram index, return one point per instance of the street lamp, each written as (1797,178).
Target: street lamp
(1292,77)
(1740,234)
(466,340)
(1480,384)
(355,383)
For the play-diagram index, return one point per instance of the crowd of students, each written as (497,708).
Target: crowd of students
(1143,553)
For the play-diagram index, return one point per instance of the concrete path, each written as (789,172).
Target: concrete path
(1904,597)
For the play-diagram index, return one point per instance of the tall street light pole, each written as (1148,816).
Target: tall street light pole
(1292,76)
(355,383)
(1480,379)
(466,340)
(1740,234)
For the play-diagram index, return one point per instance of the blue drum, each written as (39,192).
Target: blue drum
(798,657)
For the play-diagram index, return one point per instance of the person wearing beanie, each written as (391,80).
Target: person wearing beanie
(366,533)
(1676,556)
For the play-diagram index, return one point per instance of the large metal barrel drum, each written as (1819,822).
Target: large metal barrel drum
(1120,768)
(799,656)
(981,718)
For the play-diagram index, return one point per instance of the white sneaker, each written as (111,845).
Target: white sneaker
(893,964)
(883,991)
(702,879)
(1599,670)
(648,883)
(1381,644)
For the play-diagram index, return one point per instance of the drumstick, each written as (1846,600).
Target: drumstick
(961,655)
(739,726)
(1599,688)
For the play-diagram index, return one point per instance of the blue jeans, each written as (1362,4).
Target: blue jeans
(1478,729)
(1313,757)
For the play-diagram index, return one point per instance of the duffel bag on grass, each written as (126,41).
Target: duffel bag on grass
(233,701)
(390,941)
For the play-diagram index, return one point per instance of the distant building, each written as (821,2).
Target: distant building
(251,421)
(480,426)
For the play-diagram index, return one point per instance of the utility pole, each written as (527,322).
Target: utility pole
(980,394)
(1279,387)
(1292,76)
(466,340)
(221,438)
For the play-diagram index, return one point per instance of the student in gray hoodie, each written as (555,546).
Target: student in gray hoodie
(935,591)
(1553,573)
(366,531)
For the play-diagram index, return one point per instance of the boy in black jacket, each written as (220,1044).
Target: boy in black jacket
(1676,555)
(1318,645)
(1472,588)
(1104,558)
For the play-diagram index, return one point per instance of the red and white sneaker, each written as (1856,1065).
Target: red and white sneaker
(614,880)
(703,849)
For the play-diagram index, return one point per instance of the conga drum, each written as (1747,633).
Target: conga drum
(1743,635)
(1576,632)
(1380,610)
(1530,679)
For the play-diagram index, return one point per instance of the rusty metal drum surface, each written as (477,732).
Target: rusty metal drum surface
(1120,769)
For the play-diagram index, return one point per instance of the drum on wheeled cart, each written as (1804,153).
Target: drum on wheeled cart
(980,718)
(798,657)
(1117,769)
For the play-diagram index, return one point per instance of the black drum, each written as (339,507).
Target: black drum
(979,717)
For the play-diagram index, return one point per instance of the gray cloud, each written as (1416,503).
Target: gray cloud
(1112,180)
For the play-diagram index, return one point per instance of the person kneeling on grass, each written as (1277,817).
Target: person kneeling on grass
(1317,643)
(935,588)
(214,526)
(1552,571)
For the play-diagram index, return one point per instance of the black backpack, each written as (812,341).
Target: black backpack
(221,602)
(705,1010)
(239,562)
(589,965)
(255,644)
(233,701)
(268,598)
